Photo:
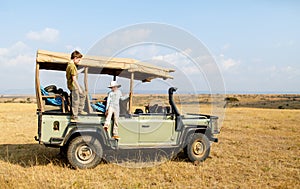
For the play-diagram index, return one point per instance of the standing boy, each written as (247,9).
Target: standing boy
(113,107)
(77,93)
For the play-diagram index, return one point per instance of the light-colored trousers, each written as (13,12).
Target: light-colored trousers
(113,111)
(78,100)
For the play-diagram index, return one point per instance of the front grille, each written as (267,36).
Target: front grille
(214,125)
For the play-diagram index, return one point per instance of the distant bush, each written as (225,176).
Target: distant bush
(280,107)
(231,99)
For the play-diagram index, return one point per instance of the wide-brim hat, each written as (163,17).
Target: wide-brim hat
(114,84)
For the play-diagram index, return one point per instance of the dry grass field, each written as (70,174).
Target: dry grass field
(258,148)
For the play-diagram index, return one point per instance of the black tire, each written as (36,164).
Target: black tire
(51,89)
(63,151)
(198,148)
(84,152)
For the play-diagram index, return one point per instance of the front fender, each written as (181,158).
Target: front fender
(190,130)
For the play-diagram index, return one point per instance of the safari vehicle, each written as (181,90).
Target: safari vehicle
(86,143)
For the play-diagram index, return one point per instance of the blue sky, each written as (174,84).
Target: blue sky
(255,43)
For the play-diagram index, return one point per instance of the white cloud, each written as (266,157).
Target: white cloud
(3,51)
(287,72)
(18,53)
(180,61)
(15,49)
(17,67)
(227,64)
(176,58)
(120,39)
(20,59)
(47,35)
(141,52)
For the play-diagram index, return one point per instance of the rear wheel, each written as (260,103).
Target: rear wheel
(198,148)
(84,152)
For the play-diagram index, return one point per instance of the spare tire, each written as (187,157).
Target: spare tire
(51,89)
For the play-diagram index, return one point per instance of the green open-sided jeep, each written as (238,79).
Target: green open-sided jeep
(86,143)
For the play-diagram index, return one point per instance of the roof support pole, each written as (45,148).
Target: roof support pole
(38,88)
(131,92)
(86,88)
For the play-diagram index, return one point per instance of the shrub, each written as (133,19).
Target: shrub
(231,99)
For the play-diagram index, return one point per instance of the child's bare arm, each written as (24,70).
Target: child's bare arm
(125,97)
(76,83)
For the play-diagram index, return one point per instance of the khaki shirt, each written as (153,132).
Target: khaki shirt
(70,72)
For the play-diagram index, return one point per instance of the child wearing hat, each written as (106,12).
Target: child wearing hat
(113,107)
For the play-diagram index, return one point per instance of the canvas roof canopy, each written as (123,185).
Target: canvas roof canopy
(122,67)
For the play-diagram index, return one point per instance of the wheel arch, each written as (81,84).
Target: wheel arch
(190,133)
(81,131)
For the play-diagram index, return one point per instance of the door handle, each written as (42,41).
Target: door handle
(145,126)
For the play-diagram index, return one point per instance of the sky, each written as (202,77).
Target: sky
(254,43)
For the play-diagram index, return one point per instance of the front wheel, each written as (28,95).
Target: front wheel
(84,152)
(198,148)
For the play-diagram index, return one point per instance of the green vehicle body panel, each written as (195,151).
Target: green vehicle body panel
(48,121)
(142,130)
(135,131)
(167,130)
(128,130)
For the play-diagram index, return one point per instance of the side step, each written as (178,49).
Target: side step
(56,141)
(113,142)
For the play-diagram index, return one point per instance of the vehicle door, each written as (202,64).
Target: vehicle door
(155,129)
(128,131)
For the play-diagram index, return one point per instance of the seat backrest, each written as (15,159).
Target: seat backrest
(124,106)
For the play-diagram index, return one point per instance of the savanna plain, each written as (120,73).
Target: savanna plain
(259,147)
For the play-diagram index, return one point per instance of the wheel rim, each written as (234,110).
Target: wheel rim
(198,148)
(84,154)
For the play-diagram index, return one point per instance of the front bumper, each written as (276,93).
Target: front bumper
(213,139)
